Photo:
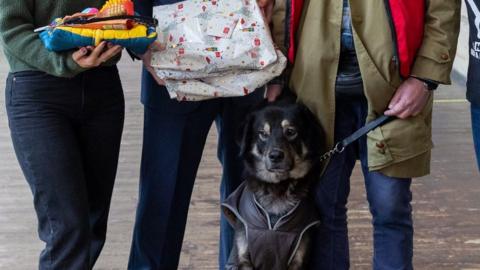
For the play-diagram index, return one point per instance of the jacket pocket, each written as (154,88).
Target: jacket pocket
(398,141)
(436,53)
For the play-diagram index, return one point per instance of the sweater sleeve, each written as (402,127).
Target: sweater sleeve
(435,57)
(19,40)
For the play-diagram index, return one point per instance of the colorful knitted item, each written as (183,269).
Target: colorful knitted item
(115,22)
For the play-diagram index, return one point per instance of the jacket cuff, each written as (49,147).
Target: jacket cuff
(72,68)
(429,84)
(433,66)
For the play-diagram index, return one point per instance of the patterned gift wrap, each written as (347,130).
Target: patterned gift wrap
(229,84)
(217,48)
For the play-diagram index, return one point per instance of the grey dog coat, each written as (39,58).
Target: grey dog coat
(271,247)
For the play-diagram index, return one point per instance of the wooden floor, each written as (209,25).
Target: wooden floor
(446,204)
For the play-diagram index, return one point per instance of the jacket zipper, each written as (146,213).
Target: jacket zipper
(396,58)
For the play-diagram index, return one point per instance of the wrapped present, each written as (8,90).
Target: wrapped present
(229,84)
(214,48)
(116,22)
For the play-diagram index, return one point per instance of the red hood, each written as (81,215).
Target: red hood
(296,13)
(407,18)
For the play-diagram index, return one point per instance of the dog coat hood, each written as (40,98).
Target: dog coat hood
(270,246)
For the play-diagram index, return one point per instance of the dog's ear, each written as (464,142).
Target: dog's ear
(244,134)
(286,98)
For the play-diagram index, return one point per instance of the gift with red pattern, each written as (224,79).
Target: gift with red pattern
(214,49)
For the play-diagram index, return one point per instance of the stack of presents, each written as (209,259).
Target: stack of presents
(213,48)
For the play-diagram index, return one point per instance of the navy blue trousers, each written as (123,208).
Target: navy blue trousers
(66,134)
(172,148)
(388,197)
(476,130)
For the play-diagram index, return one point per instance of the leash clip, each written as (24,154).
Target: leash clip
(339,147)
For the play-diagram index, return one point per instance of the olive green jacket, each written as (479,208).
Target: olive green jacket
(400,148)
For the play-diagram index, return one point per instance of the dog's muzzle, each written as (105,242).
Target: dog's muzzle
(278,161)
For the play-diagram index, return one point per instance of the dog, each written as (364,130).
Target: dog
(271,212)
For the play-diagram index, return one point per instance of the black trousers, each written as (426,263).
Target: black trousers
(172,149)
(66,134)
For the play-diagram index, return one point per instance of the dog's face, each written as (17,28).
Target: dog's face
(280,142)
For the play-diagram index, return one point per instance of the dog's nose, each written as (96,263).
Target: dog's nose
(276,155)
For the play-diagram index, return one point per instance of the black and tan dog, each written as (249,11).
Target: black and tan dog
(271,212)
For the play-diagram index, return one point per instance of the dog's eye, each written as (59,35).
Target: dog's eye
(262,134)
(290,132)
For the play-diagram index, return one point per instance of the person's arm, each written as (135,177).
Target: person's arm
(19,40)
(147,60)
(145,8)
(276,12)
(267,7)
(434,59)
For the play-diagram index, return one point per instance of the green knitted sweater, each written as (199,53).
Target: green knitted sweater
(23,48)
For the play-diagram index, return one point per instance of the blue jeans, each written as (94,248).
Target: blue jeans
(66,134)
(389,200)
(173,143)
(476,130)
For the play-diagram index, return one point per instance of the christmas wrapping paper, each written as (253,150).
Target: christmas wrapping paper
(216,48)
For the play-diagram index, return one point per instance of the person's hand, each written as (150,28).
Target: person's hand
(409,100)
(267,8)
(147,60)
(90,57)
(273,92)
